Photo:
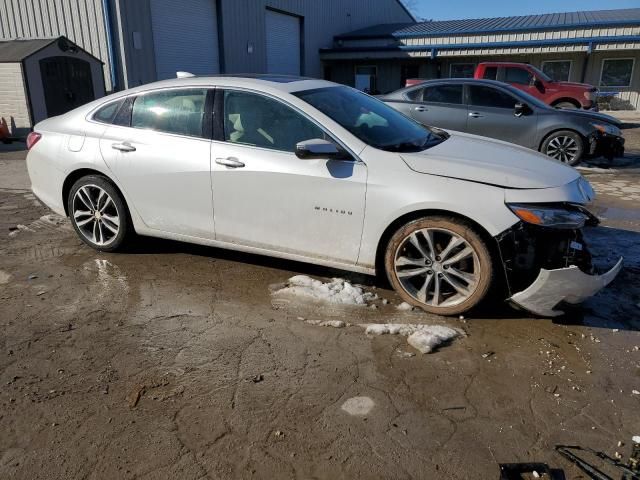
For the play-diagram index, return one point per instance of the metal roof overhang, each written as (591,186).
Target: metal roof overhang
(431,50)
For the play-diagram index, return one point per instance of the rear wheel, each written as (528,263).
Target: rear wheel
(98,213)
(565,146)
(567,105)
(439,264)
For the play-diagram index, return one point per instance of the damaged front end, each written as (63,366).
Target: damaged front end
(546,266)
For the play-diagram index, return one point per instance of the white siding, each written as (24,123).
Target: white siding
(13,99)
(81,21)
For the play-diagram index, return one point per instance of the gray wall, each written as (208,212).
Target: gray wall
(82,21)
(243,23)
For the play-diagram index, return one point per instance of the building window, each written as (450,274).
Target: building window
(559,70)
(366,78)
(462,70)
(616,72)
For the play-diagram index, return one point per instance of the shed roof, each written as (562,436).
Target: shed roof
(596,18)
(18,50)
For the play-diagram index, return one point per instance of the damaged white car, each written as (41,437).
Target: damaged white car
(318,172)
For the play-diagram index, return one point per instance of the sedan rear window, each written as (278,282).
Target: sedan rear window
(443,94)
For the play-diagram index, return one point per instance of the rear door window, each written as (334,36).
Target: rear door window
(484,96)
(180,112)
(490,73)
(443,94)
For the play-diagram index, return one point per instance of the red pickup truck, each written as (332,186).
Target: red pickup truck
(535,82)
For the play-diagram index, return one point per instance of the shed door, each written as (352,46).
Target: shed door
(67,83)
(185,37)
(283,43)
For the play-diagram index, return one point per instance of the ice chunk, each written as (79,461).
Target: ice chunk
(358,405)
(336,291)
(404,306)
(426,340)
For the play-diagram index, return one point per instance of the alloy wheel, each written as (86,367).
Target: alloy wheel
(96,215)
(437,267)
(563,148)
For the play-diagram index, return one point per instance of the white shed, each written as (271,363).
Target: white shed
(41,78)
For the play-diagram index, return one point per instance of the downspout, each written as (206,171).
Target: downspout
(586,62)
(123,53)
(107,24)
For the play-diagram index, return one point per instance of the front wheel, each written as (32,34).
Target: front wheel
(565,146)
(439,264)
(98,213)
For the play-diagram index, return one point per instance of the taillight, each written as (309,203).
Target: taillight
(32,139)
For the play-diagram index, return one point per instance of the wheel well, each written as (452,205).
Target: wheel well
(408,217)
(582,137)
(74,176)
(573,101)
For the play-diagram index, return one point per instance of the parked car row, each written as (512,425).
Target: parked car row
(318,172)
(498,110)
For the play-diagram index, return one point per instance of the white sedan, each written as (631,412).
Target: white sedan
(318,172)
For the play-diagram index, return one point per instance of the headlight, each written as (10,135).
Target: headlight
(608,129)
(555,217)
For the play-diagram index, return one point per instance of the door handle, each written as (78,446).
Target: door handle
(123,147)
(420,109)
(475,115)
(232,162)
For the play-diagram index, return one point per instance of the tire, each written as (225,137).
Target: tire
(98,213)
(414,271)
(566,146)
(567,105)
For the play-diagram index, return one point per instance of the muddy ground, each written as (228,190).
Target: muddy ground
(175,361)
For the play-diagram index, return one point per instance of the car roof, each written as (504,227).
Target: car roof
(266,82)
(505,63)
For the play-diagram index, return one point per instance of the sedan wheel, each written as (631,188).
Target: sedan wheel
(439,265)
(98,213)
(564,146)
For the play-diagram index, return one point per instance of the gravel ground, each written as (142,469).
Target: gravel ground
(176,361)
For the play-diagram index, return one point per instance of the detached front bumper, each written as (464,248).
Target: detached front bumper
(569,285)
(607,146)
(545,267)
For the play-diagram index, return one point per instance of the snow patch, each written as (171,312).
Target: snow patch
(4,277)
(358,405)
(404,306)
(337,291)
(18,229)
(54,219)
(327,323)
(424,338)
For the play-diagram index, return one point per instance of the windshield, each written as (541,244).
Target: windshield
(371,120)
(540,74)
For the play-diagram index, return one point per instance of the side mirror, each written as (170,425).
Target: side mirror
(520,109)
(320,148)
(536,82)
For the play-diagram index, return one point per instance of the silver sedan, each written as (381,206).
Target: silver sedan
(318,172)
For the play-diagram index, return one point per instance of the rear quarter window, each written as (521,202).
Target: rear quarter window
(107,113)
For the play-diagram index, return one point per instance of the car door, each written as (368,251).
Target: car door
(266,197)
(161,159)
(492,114)
(441,106)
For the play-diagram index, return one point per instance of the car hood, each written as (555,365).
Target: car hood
(493,162)
(597,117)
(584,86)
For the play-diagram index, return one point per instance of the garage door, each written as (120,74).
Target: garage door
(283,43)
(185,37)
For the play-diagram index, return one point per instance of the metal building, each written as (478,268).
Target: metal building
(141,41)
(598,47)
